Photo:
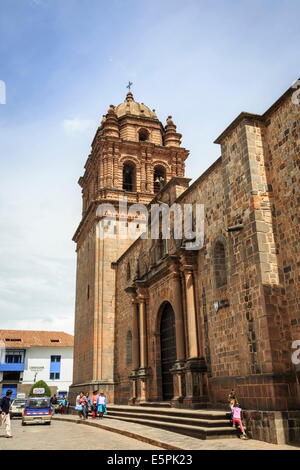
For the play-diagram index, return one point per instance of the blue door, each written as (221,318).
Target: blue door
(12,387)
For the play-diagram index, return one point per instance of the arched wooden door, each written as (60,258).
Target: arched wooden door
(167,349)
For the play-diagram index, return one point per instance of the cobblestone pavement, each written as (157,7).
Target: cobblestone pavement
(174,440)
(66,436)
(62,435)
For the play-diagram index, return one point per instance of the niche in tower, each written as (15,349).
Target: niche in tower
(159,178)
(129,177)
(143,135)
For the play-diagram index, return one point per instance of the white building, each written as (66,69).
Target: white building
(29,356)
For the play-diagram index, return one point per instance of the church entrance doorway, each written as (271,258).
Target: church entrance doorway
(167,349)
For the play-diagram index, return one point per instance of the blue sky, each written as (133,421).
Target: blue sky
(64,62)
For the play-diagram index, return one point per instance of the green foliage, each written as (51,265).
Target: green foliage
(40,384)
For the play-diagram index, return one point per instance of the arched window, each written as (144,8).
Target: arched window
(220,264)
(128,272)
(159,178)
(128,353)
(143,135)
(137,270)
(129,177)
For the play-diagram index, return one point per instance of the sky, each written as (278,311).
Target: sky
(63,63)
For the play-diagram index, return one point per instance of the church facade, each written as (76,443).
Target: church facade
(158,322)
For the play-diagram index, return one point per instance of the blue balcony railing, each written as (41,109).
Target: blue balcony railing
(18,367)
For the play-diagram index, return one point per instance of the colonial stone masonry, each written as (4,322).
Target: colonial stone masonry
(132,155)
(165,323)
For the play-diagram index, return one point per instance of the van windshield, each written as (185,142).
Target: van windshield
(19,402)
(37,403)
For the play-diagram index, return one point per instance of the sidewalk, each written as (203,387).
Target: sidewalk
(170,440)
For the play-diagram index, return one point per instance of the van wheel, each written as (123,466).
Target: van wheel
(48,423)
(23,424)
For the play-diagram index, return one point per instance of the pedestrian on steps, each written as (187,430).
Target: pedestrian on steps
(79,405)
(237,418)
(63,405)
(94,403)
(231,397)
(87,405)
(101,405)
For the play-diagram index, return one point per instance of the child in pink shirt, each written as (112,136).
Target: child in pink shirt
(237,418)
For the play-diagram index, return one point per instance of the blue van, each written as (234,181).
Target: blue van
(37,410)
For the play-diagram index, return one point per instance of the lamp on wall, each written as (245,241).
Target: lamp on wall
(36,370)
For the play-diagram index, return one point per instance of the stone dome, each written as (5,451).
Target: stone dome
(132,107)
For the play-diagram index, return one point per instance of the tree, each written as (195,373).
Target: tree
(40,384)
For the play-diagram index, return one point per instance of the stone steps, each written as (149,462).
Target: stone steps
(157,404)
(180,412)
(172,419)
(194,423)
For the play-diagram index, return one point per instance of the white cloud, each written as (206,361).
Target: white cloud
(77,125)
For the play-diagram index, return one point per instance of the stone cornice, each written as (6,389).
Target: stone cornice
(241,117)
(109,196)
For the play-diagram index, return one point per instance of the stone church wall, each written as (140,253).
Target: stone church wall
(244,327)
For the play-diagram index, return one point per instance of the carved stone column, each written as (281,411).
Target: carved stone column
(143,171)
(101,172)
(115,167)
(191,314)
(135,345)
(109,180)
(149,173)
(135,351)
(143,333)
(143,371)
(195,367)
(135,338)
(105,169)
(178,368)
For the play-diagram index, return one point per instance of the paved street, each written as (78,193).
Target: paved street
(62,435)
(66,436)
(173,440)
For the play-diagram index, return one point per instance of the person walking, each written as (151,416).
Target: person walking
(79,405)
(88,405)
(5,406)
(53,400)
(231,398)
(101,405)
(237,418)
(94,403)
(84,403)
(63,405)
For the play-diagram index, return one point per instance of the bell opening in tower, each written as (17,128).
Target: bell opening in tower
(143,135)
(129,177)
(159,178)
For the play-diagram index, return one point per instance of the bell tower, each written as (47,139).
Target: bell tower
(132,155)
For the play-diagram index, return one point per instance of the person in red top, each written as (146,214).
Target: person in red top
(94,400)
(84,403)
